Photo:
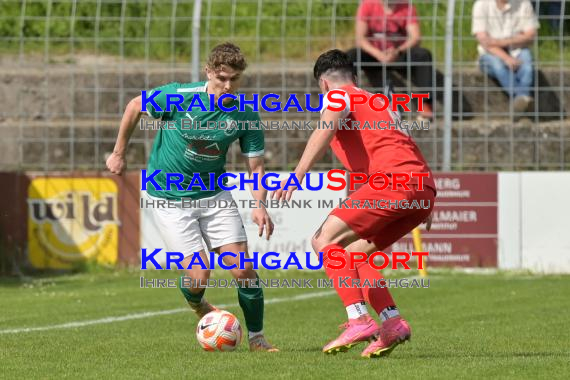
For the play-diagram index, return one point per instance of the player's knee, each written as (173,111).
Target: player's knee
(321,241)
(244,273)
(324,238)
(315,243)
(198,274)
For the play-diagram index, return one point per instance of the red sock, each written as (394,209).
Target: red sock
(378,298)
(348,294)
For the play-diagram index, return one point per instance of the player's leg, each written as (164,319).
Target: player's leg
(345,229)
(394,329)
(334,235)
(250,297)
(332,238)
(223,231)
(192,284)
(379,298)
(345,226)
(180,230)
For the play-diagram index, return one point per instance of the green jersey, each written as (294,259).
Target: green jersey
(189,147)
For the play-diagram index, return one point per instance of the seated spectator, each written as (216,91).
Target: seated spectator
(504,30)
(388,32)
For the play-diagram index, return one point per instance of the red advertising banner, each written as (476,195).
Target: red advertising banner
(464,229)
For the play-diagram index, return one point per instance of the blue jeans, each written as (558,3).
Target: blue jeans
(517,83)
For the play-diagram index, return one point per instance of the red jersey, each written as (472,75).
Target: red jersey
(377,150)
(386,30)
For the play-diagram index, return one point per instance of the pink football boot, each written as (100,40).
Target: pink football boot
(392,332)
(356,330)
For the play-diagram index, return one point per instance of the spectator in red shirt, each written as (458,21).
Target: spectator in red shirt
(388,32)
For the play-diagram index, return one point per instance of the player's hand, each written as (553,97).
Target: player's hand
(283,195)
(428,222)
(263,221)
(116,163)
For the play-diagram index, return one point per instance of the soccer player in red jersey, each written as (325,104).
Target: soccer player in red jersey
(369,229)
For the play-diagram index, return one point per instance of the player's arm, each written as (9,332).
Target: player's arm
(116,163)
(315,150)
(252,144)
(259,214)
(318,143)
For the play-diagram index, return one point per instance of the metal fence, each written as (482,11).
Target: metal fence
(70,67)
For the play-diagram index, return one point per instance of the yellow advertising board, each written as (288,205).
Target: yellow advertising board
(72,220)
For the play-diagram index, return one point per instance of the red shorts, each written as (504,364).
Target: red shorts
(385,226)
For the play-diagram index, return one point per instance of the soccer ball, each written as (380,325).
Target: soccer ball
(219,330)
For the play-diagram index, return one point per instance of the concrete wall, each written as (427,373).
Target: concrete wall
(534,231)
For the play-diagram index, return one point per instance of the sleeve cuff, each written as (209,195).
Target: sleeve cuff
(254,154)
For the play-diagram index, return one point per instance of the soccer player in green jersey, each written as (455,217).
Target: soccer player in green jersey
(192,150)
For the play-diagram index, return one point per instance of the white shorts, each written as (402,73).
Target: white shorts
(183,228)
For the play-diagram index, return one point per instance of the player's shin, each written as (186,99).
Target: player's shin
(348,290)
(360,326)
(378,297)
(252,303)
(194,296)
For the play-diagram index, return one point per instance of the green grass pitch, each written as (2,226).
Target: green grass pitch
(463,326)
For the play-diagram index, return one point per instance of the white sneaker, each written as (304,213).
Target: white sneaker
(520,104)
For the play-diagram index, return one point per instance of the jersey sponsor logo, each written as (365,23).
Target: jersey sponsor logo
(204,149)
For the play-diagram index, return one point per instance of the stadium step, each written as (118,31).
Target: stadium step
(479,144)
(89,91)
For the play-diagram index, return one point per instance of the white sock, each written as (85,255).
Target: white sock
(389,312)
(252,334)
(356,310)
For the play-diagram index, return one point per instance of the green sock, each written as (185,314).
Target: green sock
(191,297)
(251,302)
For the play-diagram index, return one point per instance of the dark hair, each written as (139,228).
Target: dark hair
(335,60)
(226,54)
